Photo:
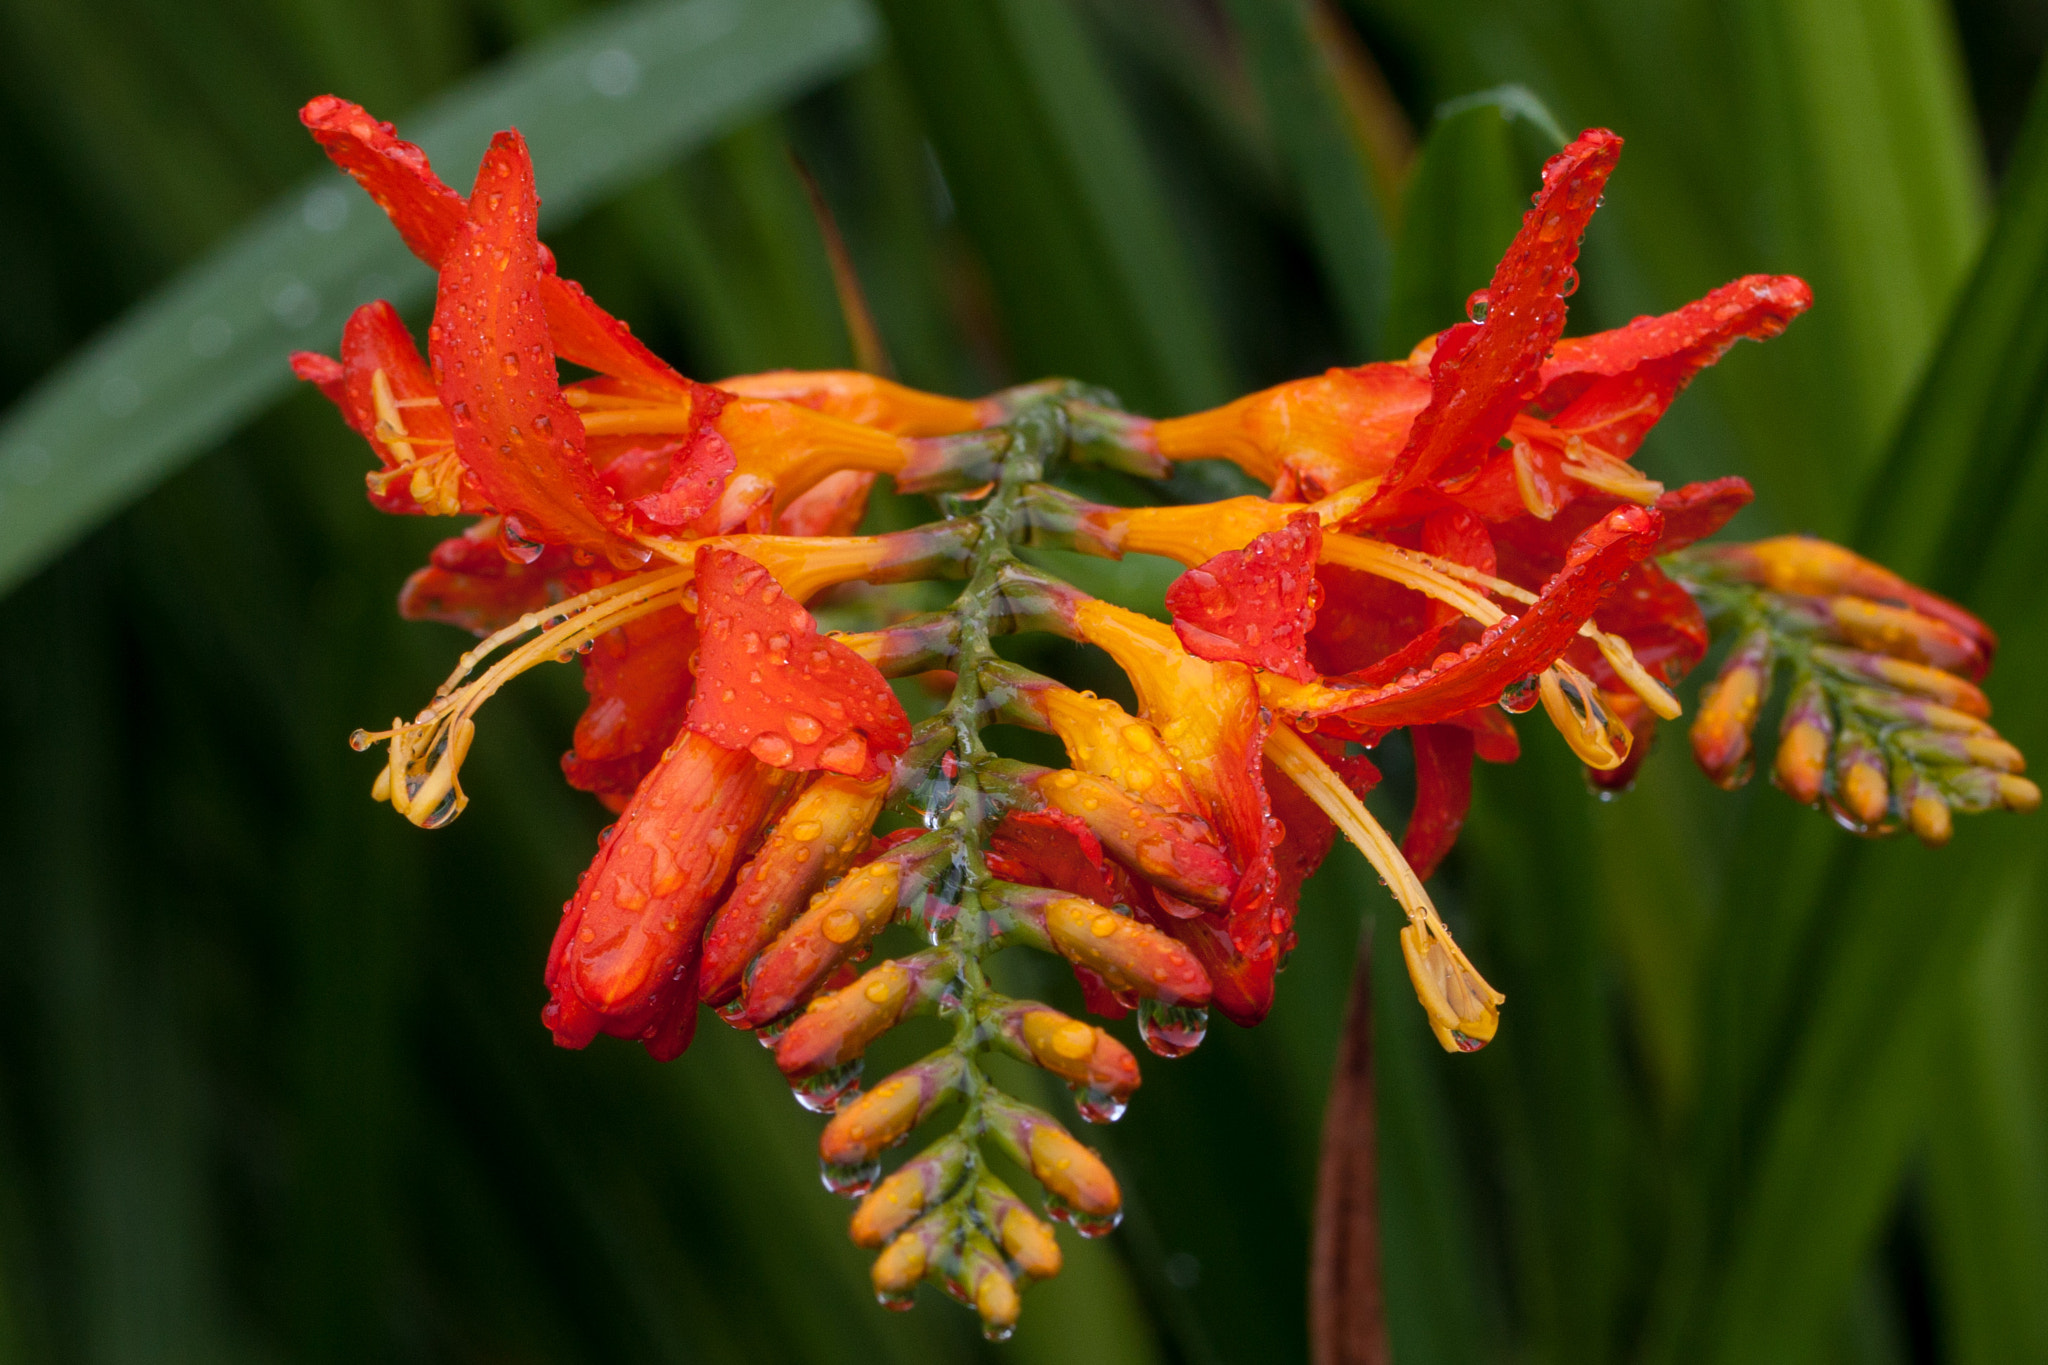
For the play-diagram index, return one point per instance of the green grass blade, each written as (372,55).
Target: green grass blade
(1471,185)
(600,105)
(1052,183)
(1329,168)
(1968,429)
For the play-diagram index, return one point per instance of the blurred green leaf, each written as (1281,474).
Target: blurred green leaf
(1087,266)
(1465,201)
(600,105)
(1328,167)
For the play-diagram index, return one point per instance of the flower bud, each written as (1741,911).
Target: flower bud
(837,925)
(2018,794)
(1078,1053)
(864,1128)
(1862,793)
(1464,1011)
(989,1287)
(1176,852)
(1127,955)
(1805,737)
(1072,1173)
(904,1261)
(1906,634)
(838,1027)
(1026,1238)
(1728,710)
(1927,815)
(913,1187)
(1903,676)
(820,833)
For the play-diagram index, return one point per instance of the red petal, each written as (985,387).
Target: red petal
(469,581)
(833,506)
(1483,373)
(1493,734)
(1613,386)
(427,214)
(624,960)
(323,372)
(699,470)
(1517,646)
(1241,985)
(638,678)
(1443,793)
(769,683)
(395,173)
(1254,605)
(1052,849)
(519,439)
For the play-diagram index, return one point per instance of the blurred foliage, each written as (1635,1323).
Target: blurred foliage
(274,1089)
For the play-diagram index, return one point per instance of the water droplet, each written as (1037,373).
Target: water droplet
(1087,1224)
(854,1179)
(774,750)
(508,364)
(825,1091)
(1099,1106)
(804,729)
(1172,1030)
(877,992)
(897,1302)
(1478,304)
(359,740)
(771,1032)
(841,926)
(803,831)
(516,543)
(998,1331)
(1073,1040)
(446,809)
(1519,697)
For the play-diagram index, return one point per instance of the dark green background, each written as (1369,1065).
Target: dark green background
(272,1086)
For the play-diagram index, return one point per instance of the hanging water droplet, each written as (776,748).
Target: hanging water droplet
(998,1331)
(446,809)
(513,539)
(1172,1030)
(896,1302)
(734,1011)
(771,1032)
(1521,696)
(359,740)
(824,1091)
(1477,306)
(1099,1106)
(1087,1224)
(851,1180)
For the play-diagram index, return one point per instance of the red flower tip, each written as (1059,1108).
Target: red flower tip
(394,172)
(1255,605)
(770,684)
(323,372)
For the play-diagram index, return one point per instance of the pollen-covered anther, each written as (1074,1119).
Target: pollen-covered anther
(1464,1011)
(1574,706)
(866,1127)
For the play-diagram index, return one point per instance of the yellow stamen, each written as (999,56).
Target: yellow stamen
(1595,468)
(1464,1011)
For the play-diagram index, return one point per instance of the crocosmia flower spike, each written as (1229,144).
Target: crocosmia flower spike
(1447,542)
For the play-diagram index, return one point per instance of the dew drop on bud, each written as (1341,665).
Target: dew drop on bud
(1099,1106)
(1087,1224)
(824,1091)
(852,1179)
(1172,1030)
(998,1331)
(896,1302)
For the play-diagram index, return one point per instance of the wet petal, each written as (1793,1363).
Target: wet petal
(1255,605)
(770,684)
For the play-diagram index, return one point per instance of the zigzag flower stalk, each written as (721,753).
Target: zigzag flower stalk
(1449,541)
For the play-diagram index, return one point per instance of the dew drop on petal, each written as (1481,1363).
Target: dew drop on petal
(774,750)
(804,729)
